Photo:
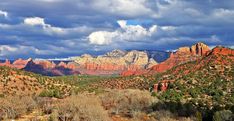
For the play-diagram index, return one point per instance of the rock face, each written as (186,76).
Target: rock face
(19,63)
(6,63)
(221,51)
(49,68)
(114,62)
(199,49)
(182,55)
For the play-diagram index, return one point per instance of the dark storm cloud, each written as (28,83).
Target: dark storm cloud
(62,28)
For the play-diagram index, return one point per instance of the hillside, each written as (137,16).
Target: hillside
(18,82)
(207,83)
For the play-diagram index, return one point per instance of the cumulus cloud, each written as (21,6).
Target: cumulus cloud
(3,13)
(124,33)
(50,28)
(127,8)
(12,51)
(34,21)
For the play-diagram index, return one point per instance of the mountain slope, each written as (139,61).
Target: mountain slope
(182,55)
(207,83)
(19,82)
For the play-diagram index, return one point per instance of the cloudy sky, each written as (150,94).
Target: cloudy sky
(63,28)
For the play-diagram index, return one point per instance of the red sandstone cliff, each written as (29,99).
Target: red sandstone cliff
(114,62)
(182,55)
(49,68)
(19,63)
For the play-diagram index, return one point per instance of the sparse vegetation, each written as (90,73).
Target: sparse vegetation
(80,108)
(13,107)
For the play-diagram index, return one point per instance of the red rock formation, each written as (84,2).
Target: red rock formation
(20,63)
(45,63)
(49,68)
(72,65)
(221,51)
(6,63)
(62,64)
(184,54)
(199,49)
(114,62)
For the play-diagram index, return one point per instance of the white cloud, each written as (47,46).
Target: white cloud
(33,21)
(3,13)
(102,37)
(214,38)
(37,21)
(223,12)
(168,28)
(123,7)
(8,50)
(124,33)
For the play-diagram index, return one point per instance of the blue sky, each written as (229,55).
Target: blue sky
(63,28)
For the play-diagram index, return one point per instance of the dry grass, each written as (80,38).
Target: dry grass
(80,108)
(164,115)
(126,102)
(13,107)
(132,105)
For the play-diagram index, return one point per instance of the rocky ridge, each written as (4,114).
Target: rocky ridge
(182,55)
(114,62)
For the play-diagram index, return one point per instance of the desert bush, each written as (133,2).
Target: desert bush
(224,115)
(164,115)
(13,107)
(45,104)
(158,115)
(51,93)
(126,102)
(80,108)
(141,116)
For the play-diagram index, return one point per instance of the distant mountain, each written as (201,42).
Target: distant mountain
(50,68)
(114,62)
(182,55)
(159,56)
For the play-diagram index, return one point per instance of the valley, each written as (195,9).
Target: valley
(193,83)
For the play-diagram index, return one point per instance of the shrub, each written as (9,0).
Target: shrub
(126,102)
(45,104)
(224,115)
(51,93)
(13,107)
(80,108)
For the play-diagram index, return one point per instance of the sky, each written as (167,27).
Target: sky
(65,28)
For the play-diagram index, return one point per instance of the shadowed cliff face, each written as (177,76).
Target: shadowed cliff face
(49,68)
